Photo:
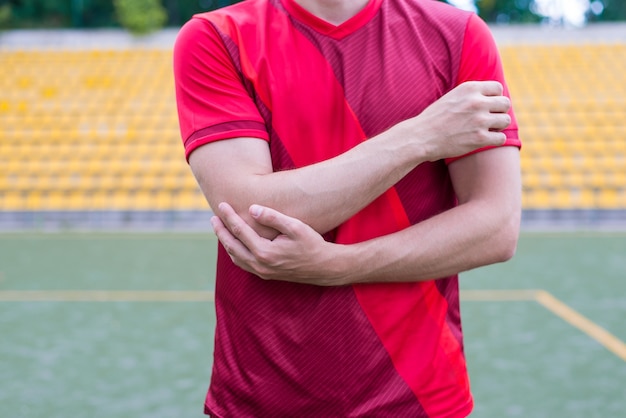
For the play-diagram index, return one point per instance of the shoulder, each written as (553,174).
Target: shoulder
(480,56)
(205,30)
(477,31)
(239,21)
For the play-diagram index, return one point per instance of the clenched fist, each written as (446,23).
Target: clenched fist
(469,117)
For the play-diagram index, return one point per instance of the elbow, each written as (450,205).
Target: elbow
(507,238)
(508,249)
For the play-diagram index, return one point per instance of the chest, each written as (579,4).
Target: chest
(321,96)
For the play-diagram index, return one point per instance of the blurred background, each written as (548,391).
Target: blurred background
(107,260)
(89,135)
(111,13)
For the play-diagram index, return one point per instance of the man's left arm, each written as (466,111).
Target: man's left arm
(483,229)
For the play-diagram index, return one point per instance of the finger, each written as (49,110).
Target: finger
(491,88)
(235,248)
(499,121)
(495,138)
(499,104)
(238,227)
(274,219)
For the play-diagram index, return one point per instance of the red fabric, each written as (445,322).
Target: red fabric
(328,29)
(273,71)
(480,61)
(209,92)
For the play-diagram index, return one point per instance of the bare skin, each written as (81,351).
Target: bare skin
(326,194)
(482,230)
(273,221)
(333,11)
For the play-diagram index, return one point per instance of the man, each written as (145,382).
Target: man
(337,142)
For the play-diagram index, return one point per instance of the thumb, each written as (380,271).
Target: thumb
(273,219)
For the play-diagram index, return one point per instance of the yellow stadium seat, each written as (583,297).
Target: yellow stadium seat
(78,199)
(35,200)
(163,199)
(56,200)
(120,200)
(99,199)
(13,200)
(190,199)
(583,198)
(143,199)
(538,198)
(98,129)
(608,198)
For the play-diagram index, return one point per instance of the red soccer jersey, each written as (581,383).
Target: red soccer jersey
(270,69)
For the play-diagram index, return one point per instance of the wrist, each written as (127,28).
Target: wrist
(345,264)
(410,137)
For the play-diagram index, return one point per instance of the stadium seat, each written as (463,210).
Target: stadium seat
(13,200)
(572,121)
(98,130)
(608,198)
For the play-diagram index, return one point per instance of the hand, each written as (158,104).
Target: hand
(467,118)
(298,254)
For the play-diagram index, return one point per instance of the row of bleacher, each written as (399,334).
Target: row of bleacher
(570,101)
(92,130)
(97,130)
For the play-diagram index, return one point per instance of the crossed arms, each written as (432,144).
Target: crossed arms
(272,222)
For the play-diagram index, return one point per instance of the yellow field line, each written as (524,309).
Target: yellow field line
(200,295)
(608,340)
(560,309)
(602,336)
(106,296)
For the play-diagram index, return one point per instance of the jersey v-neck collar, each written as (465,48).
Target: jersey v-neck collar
(326,28)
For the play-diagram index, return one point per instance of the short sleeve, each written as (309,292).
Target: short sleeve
(480,61)
(212,101)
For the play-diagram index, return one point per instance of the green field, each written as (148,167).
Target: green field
(120,325)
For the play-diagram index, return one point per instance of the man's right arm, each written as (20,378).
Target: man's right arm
(238,170)
(326,194)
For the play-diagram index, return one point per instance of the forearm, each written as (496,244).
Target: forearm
(463,238)
(473,234)
(325,194)
(483,229)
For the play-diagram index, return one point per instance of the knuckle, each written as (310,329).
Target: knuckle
(476,103)
(484,136)
(480,120)
(472,85)
(263,256)
(271,216)
(229,249)
(234,259)
(293,225)
(263,272)
(236,229)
